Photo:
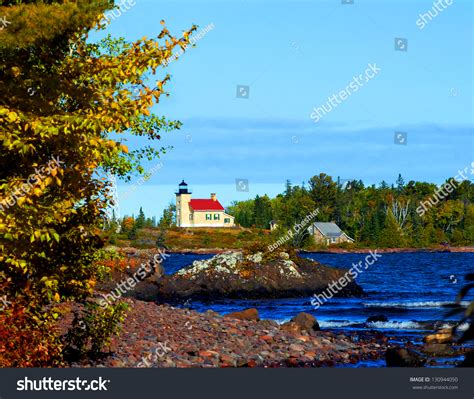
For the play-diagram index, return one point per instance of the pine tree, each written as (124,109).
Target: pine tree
(140,221)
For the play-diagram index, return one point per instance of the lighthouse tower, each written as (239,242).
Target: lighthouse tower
(183,197)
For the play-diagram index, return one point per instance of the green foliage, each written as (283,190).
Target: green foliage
(92,329)
(206,240)
(375,216)
(101,259)
(169,217)
(161,239)
(140,222)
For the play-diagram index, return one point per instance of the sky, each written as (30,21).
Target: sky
(292,56)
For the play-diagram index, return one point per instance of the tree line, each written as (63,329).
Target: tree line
(380,215)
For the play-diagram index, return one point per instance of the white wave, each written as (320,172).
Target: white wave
(421,304)
(462,327)
(335,324)
(396,325)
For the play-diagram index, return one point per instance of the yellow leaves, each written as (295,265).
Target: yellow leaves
(124,148)
(21,201)
(12,116)
(16,71)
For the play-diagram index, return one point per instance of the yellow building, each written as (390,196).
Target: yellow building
(200,212)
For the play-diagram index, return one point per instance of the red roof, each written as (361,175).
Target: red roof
(205,205)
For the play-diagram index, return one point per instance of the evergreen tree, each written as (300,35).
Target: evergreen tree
(140,221)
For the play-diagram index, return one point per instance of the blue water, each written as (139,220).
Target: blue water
(408,288)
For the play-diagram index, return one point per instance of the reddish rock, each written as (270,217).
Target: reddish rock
(266,338)
(306,321)
(247,314)
(291,327)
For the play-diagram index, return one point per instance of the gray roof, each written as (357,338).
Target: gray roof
(328,229)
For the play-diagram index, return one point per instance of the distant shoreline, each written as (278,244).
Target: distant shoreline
(202,251)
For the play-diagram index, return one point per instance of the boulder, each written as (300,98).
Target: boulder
(267,323)
(377,318)
(259,275)
(291,327)
(306,321)
(439,337)
(439,350)
(402,357)
(247,314)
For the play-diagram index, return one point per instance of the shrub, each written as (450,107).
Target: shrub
(27,341)
(92,330)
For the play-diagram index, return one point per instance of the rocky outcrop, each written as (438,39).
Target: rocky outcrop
(257,275)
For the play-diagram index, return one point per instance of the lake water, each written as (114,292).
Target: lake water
(410,289)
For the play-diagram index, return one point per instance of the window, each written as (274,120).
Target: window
(190,216)
(217,216)
(208,216)
(227,220)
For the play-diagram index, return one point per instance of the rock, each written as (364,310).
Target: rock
(233,275)
(255,258)
(378,318)
(440,337)
(266,338)
(306,321)
(401,357)
(296,348)
(439,350)
(266,323)
(291,327)
(247,314)
(228,359)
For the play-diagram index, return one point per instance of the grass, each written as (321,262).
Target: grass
(197,238)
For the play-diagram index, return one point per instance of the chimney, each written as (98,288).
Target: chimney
(213,197)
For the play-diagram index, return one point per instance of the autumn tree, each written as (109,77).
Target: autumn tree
(65,107)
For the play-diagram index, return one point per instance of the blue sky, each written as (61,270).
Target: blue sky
(294,55)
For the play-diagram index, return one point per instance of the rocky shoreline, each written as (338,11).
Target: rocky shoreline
(164,336)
